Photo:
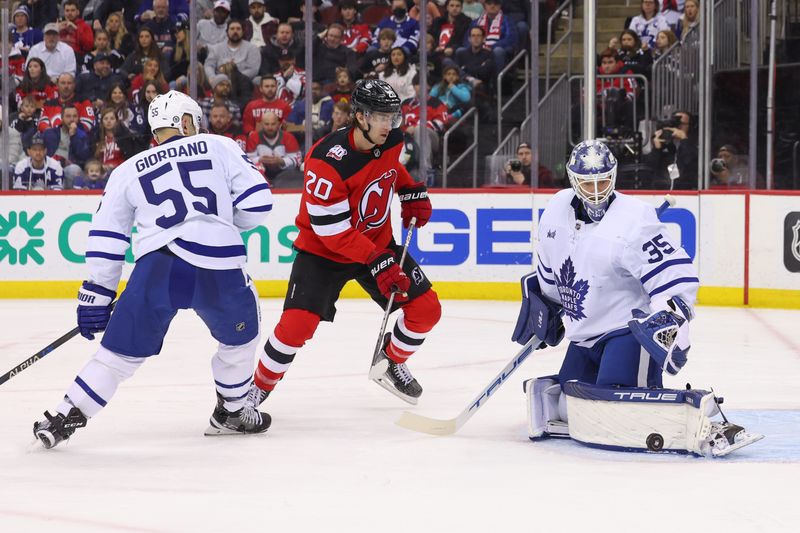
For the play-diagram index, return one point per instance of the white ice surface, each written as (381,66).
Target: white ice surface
(334,461)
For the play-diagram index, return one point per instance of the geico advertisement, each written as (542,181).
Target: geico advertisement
(470,237)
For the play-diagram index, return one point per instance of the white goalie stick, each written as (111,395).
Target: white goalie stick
(435,426)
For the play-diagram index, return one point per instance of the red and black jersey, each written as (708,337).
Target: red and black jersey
(344,210)
(437,113)
(51,113)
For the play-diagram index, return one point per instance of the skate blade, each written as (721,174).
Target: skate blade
(217,431)
(378,369)
(748,439)
(388,386)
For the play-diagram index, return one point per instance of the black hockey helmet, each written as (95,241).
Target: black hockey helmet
(376,96)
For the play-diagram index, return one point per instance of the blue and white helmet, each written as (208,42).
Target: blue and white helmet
(592,171)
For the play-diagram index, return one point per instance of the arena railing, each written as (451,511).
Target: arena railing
(522,90)
(472,148)
(568,8)
(675,77)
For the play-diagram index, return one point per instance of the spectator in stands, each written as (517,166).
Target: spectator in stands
(283,39)
(236,58)
(285,10)
(178,9)
(16,61)
(56,56)
(343,87)
(260,26)
(51,113)
(36,83)
(95,85)
(671,10)
(93,179)
(146,95)
(436,61)
(356,35)
(436,121)
(115,143)
(690,18)
(476,61)
(162,24)
(406,29)
(634,58)
(267,101)
(213,31)
(675,145)
(37,171)
(450,31)
(22,33)
(221,91)
(729,170)
(126,112)
(399,73)
(321,113)
(299,25)
(518,170)
(340,118)
(615,96)
(121,40)
(68,144)
(178,62)
(74,31)
(454,93)
(22,125)
(473,9)
(102,45)
(499,34)
(276,151)
(220,123)
(648,23)
(291,79)
(376,59)
(433,12)
(518,11)
(664,41)
(146,48)
(329,53)
(41,12)
(150,72)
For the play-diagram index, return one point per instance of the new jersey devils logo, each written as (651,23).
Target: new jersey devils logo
(373,208)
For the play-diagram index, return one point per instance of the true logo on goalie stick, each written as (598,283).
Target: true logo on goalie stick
(791,242)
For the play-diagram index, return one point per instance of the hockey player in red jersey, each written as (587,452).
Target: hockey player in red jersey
(345,232)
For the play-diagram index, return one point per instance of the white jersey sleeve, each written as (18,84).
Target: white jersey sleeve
(252,198)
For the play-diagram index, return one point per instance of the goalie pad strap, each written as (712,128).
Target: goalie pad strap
(639,419)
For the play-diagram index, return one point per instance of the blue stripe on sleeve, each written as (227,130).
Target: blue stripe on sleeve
(236,386)
(104,255)
(545,279)
(212,251)
(252,190)
(88,390)
(258,208)
(672,283)
(109,234)
(665,265)
(544,267)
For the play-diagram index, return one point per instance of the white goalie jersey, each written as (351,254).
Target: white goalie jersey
(194,195)
(600,271)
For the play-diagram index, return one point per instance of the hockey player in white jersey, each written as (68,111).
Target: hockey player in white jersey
(189,198)
(610,278)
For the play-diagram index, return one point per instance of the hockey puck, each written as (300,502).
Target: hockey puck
(655,442)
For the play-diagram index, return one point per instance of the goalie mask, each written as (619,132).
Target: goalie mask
(592,171)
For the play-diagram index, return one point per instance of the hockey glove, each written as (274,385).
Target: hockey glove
(537,316)
(414,202)
(94,308)
(388,275)
(664,334)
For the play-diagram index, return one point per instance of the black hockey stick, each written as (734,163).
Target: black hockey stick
(379,344)
(41,353)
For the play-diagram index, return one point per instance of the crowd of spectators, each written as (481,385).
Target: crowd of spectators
(85,71)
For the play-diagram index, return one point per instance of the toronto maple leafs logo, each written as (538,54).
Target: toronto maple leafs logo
(573,292)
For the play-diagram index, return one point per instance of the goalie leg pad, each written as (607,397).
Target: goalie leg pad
(640,419)
(545,412)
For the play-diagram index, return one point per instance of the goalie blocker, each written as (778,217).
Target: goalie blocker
(632,419)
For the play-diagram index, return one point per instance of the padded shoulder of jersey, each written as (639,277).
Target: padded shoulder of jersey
(335,150)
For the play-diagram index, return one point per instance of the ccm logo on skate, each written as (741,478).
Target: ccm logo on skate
(649,396)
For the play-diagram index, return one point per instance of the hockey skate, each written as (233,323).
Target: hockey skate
(256,396)
(726,438)
(56,429)
(394,377)
(245,421)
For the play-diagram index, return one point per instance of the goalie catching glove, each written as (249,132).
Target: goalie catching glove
(414,202)
(537,316)
(664,334)
(388,275)
(94,308)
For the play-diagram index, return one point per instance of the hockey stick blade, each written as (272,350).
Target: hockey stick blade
(439,427)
